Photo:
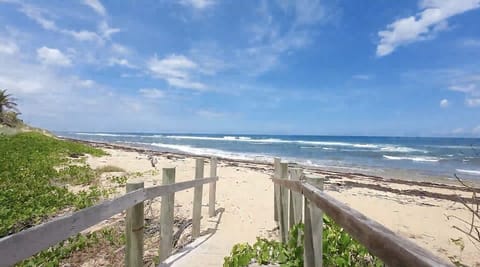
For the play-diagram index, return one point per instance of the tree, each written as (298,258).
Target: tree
(8,108)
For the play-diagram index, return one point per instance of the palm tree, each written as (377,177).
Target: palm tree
(7,102)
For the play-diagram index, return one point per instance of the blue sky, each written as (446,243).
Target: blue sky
(212,66)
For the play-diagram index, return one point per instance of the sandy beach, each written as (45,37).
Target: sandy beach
(412,209)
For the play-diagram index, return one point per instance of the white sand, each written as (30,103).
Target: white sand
(245,202)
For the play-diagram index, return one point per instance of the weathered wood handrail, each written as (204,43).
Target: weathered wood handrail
(380,241)
(19,246)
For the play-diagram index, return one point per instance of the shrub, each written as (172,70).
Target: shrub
(339,249)
(28,163)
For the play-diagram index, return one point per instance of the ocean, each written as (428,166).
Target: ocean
(412,157)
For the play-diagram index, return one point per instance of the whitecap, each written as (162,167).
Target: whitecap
(413,158)
(473,172)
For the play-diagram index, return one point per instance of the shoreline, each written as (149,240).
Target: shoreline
(429,181)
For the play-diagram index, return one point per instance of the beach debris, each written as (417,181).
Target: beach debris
(153,160)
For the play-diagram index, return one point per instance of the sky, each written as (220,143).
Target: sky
(323,67)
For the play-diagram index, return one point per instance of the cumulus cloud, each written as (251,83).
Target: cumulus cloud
(120,62)
(422,26)
(176,70)
(444,103)
(52,56)
(96,6)
(8,47)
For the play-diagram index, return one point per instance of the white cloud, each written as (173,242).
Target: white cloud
(8,47)
(40,16)
(86,83)
(472,102)
(464,88)
(444,103)
(422,26)
(152,93)
(458,131)
(120,62)
(362,77)
(120,49)
(210,114)
(476,130)
(176,70)
(52,56)
(106,31)
(471,42)
(185,83)
(305,11)
(82,35)
(197,4)
(96,5)
(468,84)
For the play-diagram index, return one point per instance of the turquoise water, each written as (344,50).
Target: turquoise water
(430,156)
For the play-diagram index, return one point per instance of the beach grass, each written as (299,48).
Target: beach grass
(34,169)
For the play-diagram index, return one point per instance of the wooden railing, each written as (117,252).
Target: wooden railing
(19,246)
(289,187)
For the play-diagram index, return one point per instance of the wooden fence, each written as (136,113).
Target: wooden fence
(291,184)
(19,246)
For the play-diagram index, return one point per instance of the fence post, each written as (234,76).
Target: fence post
(295,213)
(166,216)
(212,188)
(283,204)
(197,199)
(134,230)
(276,174)
(313,229)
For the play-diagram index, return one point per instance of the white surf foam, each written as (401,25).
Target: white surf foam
(327,145)
(472,172)
(413,158)
(214,152)
(108,134)
(400,149)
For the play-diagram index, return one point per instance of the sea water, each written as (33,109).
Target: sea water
(427,156)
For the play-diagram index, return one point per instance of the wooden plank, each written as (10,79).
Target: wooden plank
(276,174)
(380,241)
(197,199)
(212,188)
(160,190)
(134,223)
(166,216)
(295,215)
(26,243)
(308,250)
(316,222)
(283,210)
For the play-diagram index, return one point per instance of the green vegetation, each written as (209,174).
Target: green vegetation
(107,237)
(266,251)
(339,249)
(33,168)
